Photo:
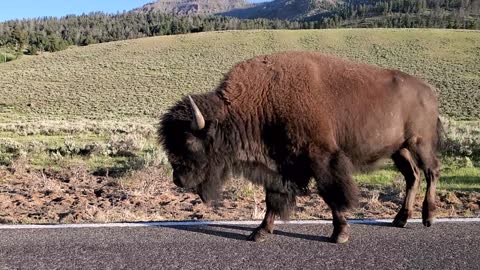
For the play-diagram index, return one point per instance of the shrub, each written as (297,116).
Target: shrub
(95,148)
(9,151)
(10,146)
(126,145)
(462,139)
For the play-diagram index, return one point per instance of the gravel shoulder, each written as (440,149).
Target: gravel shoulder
(75,196)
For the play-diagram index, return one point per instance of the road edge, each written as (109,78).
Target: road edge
(207,223)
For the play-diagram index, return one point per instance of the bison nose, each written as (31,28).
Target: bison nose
(176,180)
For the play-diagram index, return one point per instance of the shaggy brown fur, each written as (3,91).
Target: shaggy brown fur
(282,119)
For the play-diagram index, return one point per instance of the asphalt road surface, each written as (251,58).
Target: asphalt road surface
(372,246)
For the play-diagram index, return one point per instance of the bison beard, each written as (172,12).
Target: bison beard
(211,187)
(283,119)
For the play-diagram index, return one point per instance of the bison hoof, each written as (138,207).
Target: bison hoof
(401,218)
(427,217)
(340,238)
(427,222)
(258,235)
(400,223)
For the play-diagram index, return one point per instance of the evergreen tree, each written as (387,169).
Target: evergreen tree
(52,34)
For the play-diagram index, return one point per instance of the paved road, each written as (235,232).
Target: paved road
(374,246)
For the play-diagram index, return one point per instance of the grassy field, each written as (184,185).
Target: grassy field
(98,105)
(140,78)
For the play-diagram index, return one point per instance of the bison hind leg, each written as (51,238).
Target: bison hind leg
(333,173)
(424,151)
(406,164)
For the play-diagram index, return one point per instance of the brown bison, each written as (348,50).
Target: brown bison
(280,120)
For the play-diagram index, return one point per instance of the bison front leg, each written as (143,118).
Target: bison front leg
(340,233)
(335,184)
(278,204)
(261,232)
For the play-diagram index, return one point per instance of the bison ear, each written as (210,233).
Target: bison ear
(198,122)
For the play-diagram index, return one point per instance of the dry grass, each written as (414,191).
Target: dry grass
(145,127)
(75,196)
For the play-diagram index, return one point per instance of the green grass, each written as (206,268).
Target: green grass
(452,178)
(141,78)
(381,177)
(466,179)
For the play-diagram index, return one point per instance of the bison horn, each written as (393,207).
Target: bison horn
(198,122)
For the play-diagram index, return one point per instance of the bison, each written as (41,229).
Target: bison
(281,120)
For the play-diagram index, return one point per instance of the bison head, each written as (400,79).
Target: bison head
(187,136)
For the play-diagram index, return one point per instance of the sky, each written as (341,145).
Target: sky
(39,8)
(11,9)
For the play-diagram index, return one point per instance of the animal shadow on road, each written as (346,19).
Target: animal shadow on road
(204,229)
(279,232)
(366,223)
(219,230)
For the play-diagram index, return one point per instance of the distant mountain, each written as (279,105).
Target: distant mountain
(194,7)
(285,9)
(365,13)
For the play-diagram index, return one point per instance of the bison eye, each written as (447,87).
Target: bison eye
(194,144)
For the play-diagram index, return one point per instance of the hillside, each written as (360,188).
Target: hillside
(140,78)
(285,10)
(194,7)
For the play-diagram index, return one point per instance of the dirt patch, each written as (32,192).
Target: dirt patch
(76,196)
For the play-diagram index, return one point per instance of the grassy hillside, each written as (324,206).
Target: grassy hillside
(140,78)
